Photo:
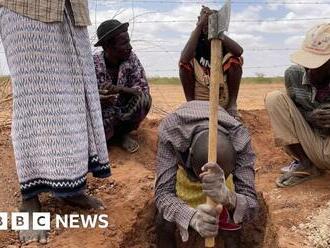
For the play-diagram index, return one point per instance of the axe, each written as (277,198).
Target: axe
(218,23)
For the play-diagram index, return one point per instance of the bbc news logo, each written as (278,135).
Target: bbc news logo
(42,220)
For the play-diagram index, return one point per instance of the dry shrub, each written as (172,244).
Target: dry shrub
(5,102)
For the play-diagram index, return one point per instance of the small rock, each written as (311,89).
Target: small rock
(132,207)
(112,227)
(112,233)
(144,187)
(301,226)
(151,177)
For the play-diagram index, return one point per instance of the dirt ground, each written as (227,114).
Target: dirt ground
(169,97)
(287,219)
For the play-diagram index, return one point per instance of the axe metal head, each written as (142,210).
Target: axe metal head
(219,21)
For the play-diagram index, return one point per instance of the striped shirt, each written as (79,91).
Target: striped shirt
(303,93)
(50,10)
(175,135)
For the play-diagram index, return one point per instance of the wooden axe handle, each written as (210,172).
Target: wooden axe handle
(216,79)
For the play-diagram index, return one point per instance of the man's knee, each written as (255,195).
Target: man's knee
(235,67)
(146,103)
(234,71)
(274,98)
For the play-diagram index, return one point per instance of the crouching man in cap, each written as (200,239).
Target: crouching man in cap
(184,178)
(300,117)
(123,87)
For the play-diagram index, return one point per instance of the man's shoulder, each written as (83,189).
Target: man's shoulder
(192,109)
(99,64)
(98,57)
(294,71)
(173,118)
(189,112)
(196,110)
(133,59)
(294,76)
(169,121)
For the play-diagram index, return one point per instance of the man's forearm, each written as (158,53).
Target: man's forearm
(188,84)
(232,46)
(188,51)
(244,179)
(232,198)
(128,90)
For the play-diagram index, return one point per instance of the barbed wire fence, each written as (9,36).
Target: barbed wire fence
(158,48)
(153,51)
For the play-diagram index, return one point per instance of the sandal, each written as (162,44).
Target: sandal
(290,167)
(293,178)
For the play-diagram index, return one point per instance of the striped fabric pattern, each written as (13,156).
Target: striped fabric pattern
(57,128)
(176,132)
(49,10)
(304,93)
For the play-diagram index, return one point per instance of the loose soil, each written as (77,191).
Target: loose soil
(285,218)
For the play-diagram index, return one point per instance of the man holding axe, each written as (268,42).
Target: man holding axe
(195,62)
(200,145)
(184,179)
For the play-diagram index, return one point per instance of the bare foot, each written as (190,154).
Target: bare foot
(83,201)
(28,236)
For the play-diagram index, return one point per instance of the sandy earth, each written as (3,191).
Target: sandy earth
(317,227)
(288,218)
(168,97)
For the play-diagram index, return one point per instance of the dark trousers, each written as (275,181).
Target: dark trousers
(115,126)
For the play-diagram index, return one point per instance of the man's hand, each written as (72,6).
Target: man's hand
(105,97)
(214,185)
(130,91)
(206,220)
(107,93)
(204,16)
(110,90)
(320,117)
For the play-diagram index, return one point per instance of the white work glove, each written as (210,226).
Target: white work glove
(206,220)
(214,185)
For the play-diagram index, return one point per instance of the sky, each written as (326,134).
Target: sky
(269,31)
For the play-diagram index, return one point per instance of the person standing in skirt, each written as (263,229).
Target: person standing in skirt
(57,130)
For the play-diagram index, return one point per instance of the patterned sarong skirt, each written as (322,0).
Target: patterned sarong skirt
(57,130)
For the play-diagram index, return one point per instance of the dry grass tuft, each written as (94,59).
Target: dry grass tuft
(5,102)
